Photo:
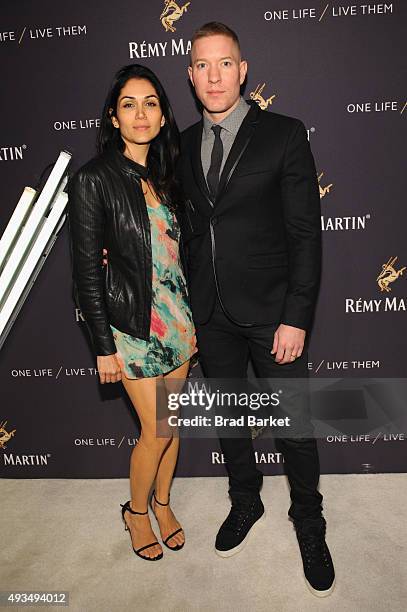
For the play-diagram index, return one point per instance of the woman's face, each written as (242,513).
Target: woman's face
(138,115)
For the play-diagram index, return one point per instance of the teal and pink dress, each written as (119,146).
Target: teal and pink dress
(172,334)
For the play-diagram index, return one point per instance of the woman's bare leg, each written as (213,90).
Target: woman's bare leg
(144,462)
(167,521)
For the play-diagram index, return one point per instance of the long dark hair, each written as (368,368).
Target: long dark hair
(164,149)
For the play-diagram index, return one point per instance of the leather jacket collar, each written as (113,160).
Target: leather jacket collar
(127,165)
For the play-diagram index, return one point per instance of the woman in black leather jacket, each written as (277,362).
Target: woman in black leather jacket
(136,307)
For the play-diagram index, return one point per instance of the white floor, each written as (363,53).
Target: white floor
(68,535)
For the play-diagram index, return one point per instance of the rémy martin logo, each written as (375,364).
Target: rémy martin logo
(172,12)
(256,95)
(5,435)
(389,274)
(323,190)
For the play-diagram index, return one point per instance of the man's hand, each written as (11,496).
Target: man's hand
(288,343)
(104,259)
(109,368)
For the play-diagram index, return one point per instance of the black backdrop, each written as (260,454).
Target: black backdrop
(336,66)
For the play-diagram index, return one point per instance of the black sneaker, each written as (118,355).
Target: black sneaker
(233,534)
(318,567)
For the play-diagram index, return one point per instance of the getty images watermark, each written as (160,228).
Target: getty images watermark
(208,400)
(289,407)
(231,408)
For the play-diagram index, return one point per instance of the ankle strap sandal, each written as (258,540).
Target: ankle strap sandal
(177,546)
(126,508)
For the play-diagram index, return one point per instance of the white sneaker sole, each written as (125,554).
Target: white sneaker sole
(320,593)
(233,551)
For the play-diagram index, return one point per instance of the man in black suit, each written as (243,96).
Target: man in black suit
(253,240)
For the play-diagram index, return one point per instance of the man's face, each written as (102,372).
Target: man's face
(217,72)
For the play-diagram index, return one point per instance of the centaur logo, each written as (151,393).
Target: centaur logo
(12,153)
(323,190)
(389,274)
(5,435)
(257,96)
(172,12)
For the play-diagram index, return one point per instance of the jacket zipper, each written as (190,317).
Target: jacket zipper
(138,182)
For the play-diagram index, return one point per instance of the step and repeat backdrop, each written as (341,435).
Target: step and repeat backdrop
(340,68)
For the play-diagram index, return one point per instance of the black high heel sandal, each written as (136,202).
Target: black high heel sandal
(125,507)
(177,546)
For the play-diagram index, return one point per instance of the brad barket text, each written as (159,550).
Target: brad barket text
(249,420)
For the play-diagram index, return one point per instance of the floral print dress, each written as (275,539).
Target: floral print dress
(172,334)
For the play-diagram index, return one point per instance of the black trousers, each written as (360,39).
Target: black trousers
(224,351)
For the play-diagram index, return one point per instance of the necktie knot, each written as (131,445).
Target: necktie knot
(216,129)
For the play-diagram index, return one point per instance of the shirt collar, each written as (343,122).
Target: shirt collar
(232,122)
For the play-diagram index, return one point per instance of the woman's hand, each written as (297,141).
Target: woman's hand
(109,368)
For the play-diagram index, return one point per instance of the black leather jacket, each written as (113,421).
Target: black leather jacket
(107,209)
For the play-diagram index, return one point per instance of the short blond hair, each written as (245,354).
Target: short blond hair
(212,28)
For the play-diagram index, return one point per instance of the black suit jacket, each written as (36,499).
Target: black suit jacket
(259,244)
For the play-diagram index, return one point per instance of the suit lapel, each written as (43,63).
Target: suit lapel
(197,163)
(239,146)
